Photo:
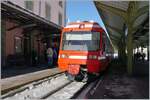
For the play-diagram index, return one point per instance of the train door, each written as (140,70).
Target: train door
(103,51)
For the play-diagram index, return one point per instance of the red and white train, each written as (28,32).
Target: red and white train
(84,48)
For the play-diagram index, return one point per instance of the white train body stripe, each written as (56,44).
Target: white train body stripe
(72,26)
(86,26)
(77,57)
(101,58)
(91,25)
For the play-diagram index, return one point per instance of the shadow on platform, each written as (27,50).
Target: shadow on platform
(117,84)
(19,70)
(141,68)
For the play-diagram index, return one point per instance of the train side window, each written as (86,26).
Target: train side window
(104,47)
(103,41)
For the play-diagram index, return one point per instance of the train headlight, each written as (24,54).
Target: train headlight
(63,56)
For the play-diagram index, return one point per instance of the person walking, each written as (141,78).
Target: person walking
(50,56)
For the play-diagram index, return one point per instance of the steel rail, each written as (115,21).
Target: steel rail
(37,82)
(88,89)
(55,90)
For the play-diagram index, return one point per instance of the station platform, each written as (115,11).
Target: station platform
(117,84)
(20,80)
(11,71)
(141,68)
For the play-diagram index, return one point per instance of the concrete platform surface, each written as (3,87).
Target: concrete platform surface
(117,84)
(12,82)
(11,71)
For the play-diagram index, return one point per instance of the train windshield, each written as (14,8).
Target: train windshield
(81,41)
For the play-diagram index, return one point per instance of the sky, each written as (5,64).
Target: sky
(82,10)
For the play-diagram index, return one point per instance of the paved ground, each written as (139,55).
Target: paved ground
(118,84)
(141,68)
(19,80)
(12,71)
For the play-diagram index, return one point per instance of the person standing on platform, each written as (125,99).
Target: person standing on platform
(142,55)
(55,55)
(34,57)
(50,56)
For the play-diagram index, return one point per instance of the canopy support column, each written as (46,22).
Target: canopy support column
(130,52)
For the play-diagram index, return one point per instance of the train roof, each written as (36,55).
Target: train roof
(85,23)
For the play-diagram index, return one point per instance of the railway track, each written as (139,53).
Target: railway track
(88,89)
(67,92)
(53,87)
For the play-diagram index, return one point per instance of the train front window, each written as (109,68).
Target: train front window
(81,41)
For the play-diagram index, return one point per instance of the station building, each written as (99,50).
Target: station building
(52,10)
(29,26)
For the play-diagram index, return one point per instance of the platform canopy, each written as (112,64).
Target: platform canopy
(114,15)
(127,23)
(26,18)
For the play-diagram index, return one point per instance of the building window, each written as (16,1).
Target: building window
(29,5)
(47,11)
(60,18)
(60,3)
(18,45)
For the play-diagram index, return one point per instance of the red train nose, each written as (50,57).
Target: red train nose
(73,69)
